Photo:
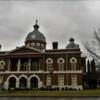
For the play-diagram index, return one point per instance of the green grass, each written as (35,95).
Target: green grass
(94,92)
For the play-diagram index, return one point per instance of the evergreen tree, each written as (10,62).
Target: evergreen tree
(93,74)
(88,74)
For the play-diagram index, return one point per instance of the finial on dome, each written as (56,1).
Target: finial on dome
(36,26)
(36,21)
(71,39)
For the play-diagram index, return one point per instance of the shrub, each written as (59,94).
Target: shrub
(70,89)
(54,89)
(79,89)
(62,89)
(58,88)
(3,89)
(66,88)
(74,89)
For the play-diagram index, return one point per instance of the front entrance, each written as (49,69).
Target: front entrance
(34,82)
(23,83)
(12,82)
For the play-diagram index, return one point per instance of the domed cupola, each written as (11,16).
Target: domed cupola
(36,39)
(72,45)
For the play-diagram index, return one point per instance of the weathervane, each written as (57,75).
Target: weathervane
(36,21)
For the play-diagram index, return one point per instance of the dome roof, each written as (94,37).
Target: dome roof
(35,35)
(72,45)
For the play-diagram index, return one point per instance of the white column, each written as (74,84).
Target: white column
(18,65)
(6,85)
(17,84)
(39,84)
(9,65)
(39,63)
(28,84)
(29,64)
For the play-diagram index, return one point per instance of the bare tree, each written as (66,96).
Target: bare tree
(92,50)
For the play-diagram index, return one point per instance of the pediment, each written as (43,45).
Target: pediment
(23,50)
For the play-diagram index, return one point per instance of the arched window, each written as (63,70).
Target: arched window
(49,63)
(61,62)
(73,62)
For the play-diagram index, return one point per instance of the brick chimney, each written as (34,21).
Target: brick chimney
(55,45)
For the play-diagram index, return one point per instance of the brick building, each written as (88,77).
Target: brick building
(33,66)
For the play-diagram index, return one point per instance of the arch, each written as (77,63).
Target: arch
(60,59)
(23,76)
(23,83)
(38,80)
(12,82)
(49,60)
(33,82)
(73,60)
(34,76)
(12,76)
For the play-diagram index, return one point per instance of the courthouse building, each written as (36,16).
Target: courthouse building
(34,66)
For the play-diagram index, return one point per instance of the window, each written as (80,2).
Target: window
(24,66)
(74,80)
(73,66)
(35,64)
(61,80)
(48,80)
(2,64)
(49,62)
(60,62)
(73,62)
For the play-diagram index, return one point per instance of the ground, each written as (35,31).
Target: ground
(83,93)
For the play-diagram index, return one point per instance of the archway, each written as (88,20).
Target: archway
(23,83)
(33,82)
(12,82)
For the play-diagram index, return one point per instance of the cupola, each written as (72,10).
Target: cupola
(36,39)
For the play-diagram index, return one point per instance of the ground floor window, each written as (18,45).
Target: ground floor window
(34,82)
(12,82)
(74,80)
(23,83)
(48,80)
(61,80)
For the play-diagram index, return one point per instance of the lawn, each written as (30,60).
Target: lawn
(92,92)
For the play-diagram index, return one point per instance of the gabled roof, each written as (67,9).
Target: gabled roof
(23,50)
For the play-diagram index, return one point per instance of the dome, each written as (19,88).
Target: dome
(72,45)
(35,35)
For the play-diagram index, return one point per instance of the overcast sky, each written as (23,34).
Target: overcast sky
(58,20)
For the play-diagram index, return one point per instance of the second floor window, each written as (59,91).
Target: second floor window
(60,62)
(73,62)
(49,63)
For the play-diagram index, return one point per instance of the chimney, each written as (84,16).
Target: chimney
(55,45)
